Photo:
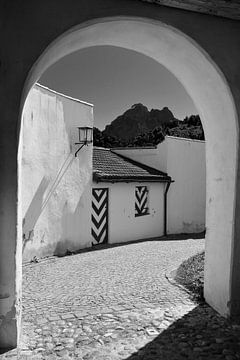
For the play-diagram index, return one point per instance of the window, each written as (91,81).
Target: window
(141,201)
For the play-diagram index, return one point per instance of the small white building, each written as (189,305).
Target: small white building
(128,199)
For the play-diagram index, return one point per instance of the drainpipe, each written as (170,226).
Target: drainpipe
(165,207)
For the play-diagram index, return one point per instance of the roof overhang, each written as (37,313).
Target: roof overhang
(111,179)
(224,8)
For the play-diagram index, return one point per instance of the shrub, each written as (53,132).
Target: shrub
(190,274)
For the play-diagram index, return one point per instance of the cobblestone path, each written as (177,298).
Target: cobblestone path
(116,303)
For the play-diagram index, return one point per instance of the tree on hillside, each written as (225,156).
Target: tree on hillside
(190,127)
(153,137)
(100,139)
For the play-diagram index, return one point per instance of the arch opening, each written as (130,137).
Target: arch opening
(211,95)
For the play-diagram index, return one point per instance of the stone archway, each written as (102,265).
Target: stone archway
(211,95)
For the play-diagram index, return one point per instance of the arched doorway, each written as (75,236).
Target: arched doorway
(211,95)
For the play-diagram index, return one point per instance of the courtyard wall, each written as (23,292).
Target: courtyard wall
(183,160)
(56,185)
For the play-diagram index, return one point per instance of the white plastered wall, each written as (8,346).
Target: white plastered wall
(187,195)
(183,160)
(56,185)
(149,156)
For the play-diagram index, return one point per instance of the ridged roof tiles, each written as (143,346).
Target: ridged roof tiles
(109,166)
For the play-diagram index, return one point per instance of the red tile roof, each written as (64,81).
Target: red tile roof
(109,166)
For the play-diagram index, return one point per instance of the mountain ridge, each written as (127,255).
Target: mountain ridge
(139,127)
(137,120)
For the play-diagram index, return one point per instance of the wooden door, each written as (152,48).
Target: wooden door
(99,215)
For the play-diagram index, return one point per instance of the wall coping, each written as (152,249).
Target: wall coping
(63,95)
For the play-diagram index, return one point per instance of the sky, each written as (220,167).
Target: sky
(113,79)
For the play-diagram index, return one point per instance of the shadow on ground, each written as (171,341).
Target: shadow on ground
(200,334)
(102,246)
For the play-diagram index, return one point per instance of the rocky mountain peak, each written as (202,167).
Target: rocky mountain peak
(137,120)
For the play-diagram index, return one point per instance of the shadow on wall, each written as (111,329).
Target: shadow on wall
(201,333)
(34,211)
(64,245)
(75,234)
(39,201)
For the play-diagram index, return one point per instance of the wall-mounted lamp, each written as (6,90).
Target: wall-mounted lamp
(85,136)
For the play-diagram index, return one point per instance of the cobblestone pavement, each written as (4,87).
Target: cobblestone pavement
(116,303)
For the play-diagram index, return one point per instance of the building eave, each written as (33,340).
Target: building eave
(223,8)
(111,179)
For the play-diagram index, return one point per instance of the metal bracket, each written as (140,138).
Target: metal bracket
(79,148)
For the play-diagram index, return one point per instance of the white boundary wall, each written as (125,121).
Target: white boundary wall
(184,160)
(56,185)
(187,196)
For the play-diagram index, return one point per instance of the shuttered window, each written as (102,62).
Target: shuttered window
(141,201)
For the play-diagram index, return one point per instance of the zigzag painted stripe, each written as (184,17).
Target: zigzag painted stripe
(98,193)
(141,197)
(141,192)
(98,207)
(98,233)
(99,215)
(142,205)
(99,223)
(99,238)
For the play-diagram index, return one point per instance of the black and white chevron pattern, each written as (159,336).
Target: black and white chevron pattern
(99,215)
(141,200)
